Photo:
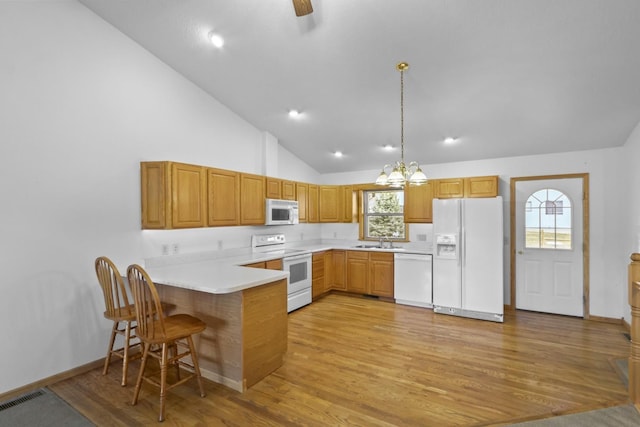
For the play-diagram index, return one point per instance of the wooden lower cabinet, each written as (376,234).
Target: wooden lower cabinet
(381,274)
(338,270)
(317,274)
(357,272)
(272,264)
(250,341)
(370,273)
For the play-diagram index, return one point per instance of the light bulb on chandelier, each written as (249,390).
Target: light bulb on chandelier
(401,174)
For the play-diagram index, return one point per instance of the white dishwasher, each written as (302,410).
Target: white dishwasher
(413,279)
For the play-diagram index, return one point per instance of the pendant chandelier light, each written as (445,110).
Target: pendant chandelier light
(401,174)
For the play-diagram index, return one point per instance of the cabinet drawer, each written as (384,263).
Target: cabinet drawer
(381,256)
(357,255)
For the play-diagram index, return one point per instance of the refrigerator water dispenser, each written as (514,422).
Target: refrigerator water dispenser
(446,246)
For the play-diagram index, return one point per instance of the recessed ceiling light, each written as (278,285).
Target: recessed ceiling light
(338,154)
(450,140)
(294,114)
(388,147)
(216,39)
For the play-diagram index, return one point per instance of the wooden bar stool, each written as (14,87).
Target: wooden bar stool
(119,311)
(154,329)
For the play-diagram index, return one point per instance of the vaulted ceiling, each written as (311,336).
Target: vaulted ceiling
(504,77)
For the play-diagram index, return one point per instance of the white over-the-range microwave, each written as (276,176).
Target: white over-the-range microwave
(281,212)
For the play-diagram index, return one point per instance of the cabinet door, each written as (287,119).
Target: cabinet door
(481,186)
(329,205)
(302,191)
(223,197)
(189,195)
(155,192)
(346,203)
(288,190)
(357,271)
(317,274)
(252,204)
(328,270)
(449,188)
(273,264)
(381,274)
(418,203)
(313,211)
(273,189)
(339,279)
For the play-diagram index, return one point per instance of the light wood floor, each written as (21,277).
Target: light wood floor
(357,361)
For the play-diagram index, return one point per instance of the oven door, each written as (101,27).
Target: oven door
(299,268)
(299,285)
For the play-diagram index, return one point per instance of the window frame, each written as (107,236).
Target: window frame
(363,215)
(554,208)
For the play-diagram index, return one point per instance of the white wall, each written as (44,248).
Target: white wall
(606,217)
(631,205)
(80,106)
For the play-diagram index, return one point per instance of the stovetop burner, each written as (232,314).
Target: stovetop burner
(272,244)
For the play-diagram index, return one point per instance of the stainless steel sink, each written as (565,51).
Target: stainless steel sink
(369,246)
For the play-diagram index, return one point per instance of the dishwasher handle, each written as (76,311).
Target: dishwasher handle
(417,257)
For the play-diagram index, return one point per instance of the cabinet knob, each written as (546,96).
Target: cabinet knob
(520,252)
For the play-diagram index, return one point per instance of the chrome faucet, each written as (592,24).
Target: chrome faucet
(390,243)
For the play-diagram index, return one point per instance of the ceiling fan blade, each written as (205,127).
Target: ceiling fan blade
(302,7)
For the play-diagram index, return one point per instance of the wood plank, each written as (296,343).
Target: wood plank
(360,361)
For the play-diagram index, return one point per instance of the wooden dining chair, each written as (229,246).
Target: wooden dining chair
(119,311)
(159,333)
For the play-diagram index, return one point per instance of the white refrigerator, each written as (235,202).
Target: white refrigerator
(468,278)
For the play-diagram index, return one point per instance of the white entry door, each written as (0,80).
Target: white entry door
(549,245)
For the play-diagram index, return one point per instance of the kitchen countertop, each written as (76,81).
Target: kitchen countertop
(222,272)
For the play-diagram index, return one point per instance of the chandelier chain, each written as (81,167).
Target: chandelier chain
(402,115)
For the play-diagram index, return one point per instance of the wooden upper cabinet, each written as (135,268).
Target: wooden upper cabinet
(449,188)
(329,203)
(288,190)
(173,195)
(223,197)
(481,186)
(347,205)
(252,199)
(155,194)
(302,195)
(418,203)
(313,204)
(273,188)
(476,186)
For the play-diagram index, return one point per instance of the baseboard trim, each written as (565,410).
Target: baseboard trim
(11,394)
(607,320)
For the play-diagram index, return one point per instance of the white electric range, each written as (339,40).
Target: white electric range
(296,261)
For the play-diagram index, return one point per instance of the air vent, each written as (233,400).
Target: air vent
(21,399)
